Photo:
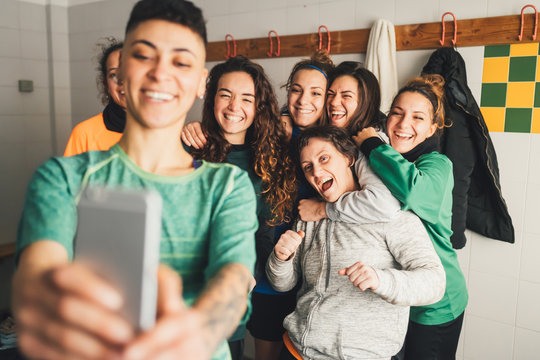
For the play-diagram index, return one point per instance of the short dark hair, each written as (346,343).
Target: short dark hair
(181,12)
(369,95)
(332,134)
(110,45)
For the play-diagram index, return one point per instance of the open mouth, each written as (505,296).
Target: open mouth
(233,118)
(337,115)
(402,136)
(325,184)
(157,96)
(305,111)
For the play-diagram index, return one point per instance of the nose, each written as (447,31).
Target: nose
(335,100)
(317,170)
(302,99)
(160,70)
(406,120)
(234,103)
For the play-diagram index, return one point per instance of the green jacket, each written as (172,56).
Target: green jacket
(425,187)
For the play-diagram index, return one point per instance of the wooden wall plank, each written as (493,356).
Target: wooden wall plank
(471,32)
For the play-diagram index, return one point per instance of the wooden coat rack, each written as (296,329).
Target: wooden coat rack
(471,32)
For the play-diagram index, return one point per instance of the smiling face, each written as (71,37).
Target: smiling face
(342,100)
(115,87)
(306,97)
(234,105)
(410,121)
(163,71)
(327,169)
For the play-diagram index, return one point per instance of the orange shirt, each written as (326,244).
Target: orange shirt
(91,135)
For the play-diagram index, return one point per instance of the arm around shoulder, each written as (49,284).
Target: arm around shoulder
(372,203)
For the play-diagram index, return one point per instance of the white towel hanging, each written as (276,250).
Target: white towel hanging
(381,60)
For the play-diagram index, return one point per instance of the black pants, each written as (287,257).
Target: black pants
(237,349)
(286,354)
(432,342)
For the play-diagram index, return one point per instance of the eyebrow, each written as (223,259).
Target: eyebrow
(317,155)
(149,44)
(414,111)
(311,87)
(230,92)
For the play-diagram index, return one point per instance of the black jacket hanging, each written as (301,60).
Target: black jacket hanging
(478,201)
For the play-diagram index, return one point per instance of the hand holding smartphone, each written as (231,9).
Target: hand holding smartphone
(118,237)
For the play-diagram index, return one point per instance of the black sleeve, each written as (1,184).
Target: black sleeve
(370,144)
(264,245)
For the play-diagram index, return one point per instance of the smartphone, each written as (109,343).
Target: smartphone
(118,237)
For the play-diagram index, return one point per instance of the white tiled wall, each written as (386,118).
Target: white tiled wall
(24,120)
(503,317)
(30,129)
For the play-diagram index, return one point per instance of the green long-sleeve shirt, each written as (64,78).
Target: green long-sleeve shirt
(425,187)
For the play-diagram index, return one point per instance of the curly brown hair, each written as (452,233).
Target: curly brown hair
(106,48)
(266,137)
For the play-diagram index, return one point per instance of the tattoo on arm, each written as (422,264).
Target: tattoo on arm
(224,301)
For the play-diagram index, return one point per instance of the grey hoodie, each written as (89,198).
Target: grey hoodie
(334,319)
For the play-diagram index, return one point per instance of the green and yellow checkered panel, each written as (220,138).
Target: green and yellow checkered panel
(510,99)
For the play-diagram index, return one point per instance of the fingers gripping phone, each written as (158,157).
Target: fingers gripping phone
(118,237)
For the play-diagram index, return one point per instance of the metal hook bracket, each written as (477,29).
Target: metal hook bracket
(454,40)
(229,37)
(320,38)
(271,53)
(520,37)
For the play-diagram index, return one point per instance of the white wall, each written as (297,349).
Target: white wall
(503,317)
(31,46)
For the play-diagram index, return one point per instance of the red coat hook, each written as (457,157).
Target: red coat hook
(269,53)
(320,38)
(520,37)
(228,54)
(454,40)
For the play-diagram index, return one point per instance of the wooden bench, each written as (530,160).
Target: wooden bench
(7,250)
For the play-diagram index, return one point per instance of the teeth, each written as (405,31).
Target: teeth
(159,96)
(338,113)
(233,118)
(301,111)
(322,181)
(404,135)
